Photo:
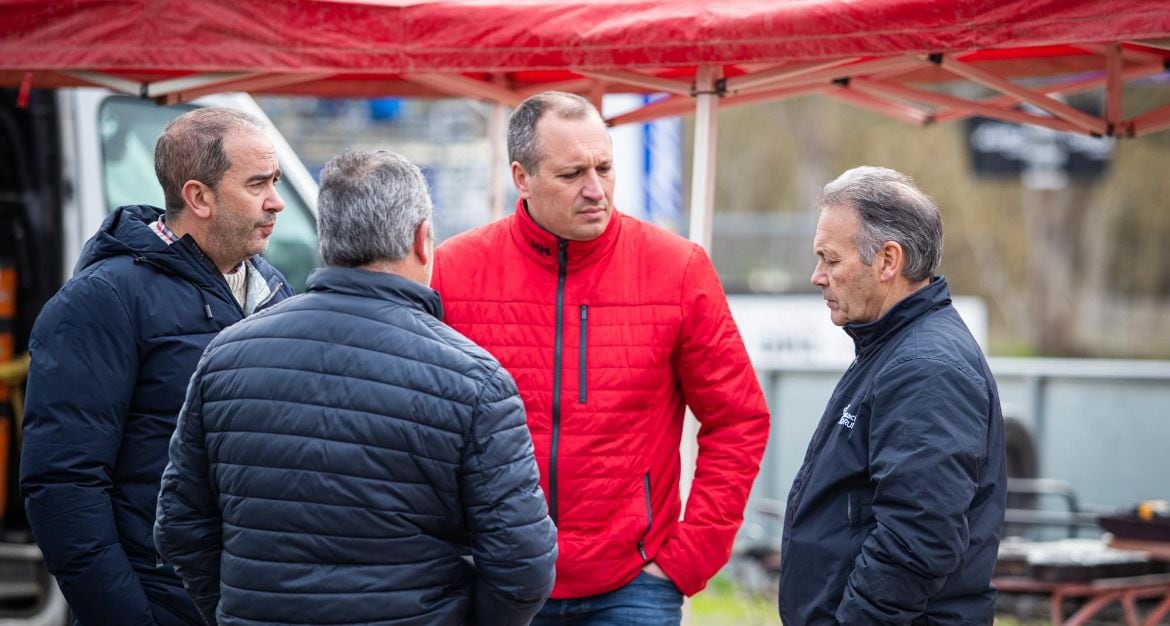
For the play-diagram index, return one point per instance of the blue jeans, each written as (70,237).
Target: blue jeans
(645,601)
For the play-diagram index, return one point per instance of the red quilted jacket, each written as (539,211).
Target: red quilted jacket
(608,341)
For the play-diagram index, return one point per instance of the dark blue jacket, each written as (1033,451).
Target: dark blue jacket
(896,514)
(343,457)
(111,356)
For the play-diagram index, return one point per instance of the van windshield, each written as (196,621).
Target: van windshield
(129,129)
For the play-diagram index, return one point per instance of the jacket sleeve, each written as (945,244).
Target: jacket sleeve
(81,380)
(929,418)
(187,525)
(721,389)
(514,542)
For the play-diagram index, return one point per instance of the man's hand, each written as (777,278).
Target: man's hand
(652,569)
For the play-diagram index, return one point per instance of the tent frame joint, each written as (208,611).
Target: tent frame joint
(718,88)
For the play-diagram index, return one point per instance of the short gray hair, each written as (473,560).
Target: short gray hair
(370,207)
(523,147)
(890,208)
(191,148)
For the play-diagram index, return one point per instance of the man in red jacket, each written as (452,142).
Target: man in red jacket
(611,327)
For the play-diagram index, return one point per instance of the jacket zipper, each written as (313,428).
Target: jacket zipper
(582,394)
(558,356)
(796,492)
(649,518)
(196,253)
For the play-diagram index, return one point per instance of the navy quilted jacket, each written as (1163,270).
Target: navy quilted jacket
(111,356)
(347,458)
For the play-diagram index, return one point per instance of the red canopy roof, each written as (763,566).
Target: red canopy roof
(880,54)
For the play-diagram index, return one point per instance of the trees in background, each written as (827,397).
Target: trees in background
(1078,271)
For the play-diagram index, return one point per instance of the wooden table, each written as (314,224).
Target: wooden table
(1098,594)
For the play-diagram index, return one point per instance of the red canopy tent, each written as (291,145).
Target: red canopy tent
(501,51)
(886,55)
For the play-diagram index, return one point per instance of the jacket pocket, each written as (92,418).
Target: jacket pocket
(859,508)
(582,371)
(649,517)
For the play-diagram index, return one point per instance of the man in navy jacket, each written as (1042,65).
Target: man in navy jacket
(345,457)
(896,514)
(112,353)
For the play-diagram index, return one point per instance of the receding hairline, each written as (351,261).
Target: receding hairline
(575,111)
(567,105)
(232,151)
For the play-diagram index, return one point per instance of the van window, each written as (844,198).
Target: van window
(129,129)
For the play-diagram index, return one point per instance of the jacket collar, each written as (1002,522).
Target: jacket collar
(542,247)
(391,287)
(867,336)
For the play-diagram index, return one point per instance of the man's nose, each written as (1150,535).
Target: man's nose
(593,189)
(818,277)
(274,203)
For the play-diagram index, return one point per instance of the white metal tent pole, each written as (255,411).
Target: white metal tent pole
(702,207)
(702,199)
(496,125)
(703,170)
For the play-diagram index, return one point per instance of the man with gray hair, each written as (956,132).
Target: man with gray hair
(895,516)
(345,457)
(113,350)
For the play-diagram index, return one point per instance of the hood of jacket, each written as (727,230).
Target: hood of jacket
(127,232)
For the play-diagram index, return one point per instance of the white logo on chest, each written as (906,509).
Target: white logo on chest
(847,419)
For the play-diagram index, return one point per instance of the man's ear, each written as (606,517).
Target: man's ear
(197,197)
(422,247)
(520,180)
(889,258)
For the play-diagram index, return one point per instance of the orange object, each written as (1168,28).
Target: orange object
(7,297)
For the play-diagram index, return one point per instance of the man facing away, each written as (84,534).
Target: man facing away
(896,514)
(113,350)
(612,327)
(347,458)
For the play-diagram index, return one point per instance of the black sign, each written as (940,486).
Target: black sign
(1000,149)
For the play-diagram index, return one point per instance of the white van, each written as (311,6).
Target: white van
(67,158)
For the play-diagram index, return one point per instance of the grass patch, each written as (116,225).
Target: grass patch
(722,604)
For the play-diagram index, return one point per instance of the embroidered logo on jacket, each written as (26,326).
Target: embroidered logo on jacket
(847,419)
(540,249)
